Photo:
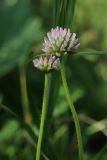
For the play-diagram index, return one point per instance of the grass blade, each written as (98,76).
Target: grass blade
(27,127)
(91,53)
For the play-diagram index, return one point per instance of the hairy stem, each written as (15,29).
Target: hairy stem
(73,111)
(43,116)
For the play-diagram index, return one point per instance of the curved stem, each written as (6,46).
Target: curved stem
(43,115)
(74,114)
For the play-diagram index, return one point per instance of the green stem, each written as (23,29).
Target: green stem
(24,96)
(73,111)
(43,115)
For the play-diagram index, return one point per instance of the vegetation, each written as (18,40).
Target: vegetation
(81,82)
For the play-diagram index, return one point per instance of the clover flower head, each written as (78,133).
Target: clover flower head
(59,41)
(47,63)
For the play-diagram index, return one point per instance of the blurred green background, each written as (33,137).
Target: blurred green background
(23,24)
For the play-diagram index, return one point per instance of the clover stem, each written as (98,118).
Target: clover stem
(73,111)
(43,115)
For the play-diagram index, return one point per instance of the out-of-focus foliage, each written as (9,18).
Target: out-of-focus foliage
(13,140)
(23,24)
(17,25)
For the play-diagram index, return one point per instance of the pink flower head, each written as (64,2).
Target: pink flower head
(59,41)
(47,63)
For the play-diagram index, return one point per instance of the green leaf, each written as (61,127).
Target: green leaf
(27,127)
(8,130)
(61,104)
(85,53)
